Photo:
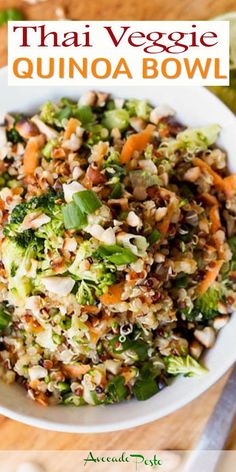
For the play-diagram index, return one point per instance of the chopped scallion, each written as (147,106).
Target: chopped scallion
(87,201)
(5,319)
(117,191)
(154,237)
(73,217)
(144,389)
(118,255)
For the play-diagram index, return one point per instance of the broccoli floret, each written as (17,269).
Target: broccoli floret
(85,250)
(200,138)
(206,306)
(17,262)
(45,202)
(85,296)
(138,108)
(187,366)
(13,136)
(19,213)
(48,112)
(25,238)
(51,233)
(105,276)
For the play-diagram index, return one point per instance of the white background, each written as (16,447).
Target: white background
(103,47)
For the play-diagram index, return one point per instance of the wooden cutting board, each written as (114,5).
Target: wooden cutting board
(181,429)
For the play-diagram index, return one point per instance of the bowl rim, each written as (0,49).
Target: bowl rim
(210,379)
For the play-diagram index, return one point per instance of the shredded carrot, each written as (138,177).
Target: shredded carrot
(209,199)
(136,142)
(217,179)
(31,155)
(164,226)
(210,276)
(214,218)
(113,295)
(71,126)
(74,371)
(230,186)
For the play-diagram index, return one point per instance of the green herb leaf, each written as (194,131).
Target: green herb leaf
(73,217)
(118,255)
(87,201)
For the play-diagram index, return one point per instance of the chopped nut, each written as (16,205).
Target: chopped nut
(206,336)
(192,174)
(195,349)
(220,321)
(34,220)
(160,213)
(134,220)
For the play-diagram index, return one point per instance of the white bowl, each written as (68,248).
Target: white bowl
(195,107)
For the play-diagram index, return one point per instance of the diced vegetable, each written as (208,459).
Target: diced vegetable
(118,255)
(208,303)
(136,142)
(118,118)
(113,295)
(186,366)
(230,186)
(141,178)
(217,179)
(214,218)
(73,217)
(5,318)
(199,137)
(116,389)
(32,152)
(138,108)
(144,389)
(47,150)
(85,294)
(87,201)
(210,277)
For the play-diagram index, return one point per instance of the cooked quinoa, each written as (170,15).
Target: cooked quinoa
(117,246)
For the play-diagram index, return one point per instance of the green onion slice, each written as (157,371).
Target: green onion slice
(154,237)
(118,255)
(87,201)
(5,319)
(73,217)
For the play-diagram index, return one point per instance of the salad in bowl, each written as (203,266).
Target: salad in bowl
(117,248)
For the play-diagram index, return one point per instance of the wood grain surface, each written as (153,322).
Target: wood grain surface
(181,429)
